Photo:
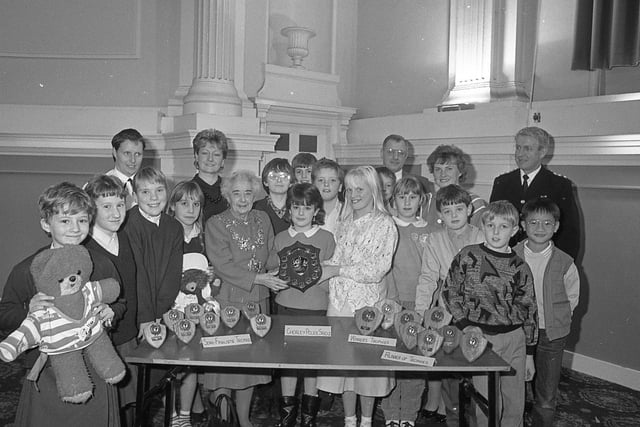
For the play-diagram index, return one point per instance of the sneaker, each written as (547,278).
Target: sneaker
(432,416)
(181,421)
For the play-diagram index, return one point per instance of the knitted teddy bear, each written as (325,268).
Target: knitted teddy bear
(71,329)
(197,280)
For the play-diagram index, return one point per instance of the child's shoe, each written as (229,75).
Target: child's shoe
(407,424)
(392,423)
(365,421)
(351,421)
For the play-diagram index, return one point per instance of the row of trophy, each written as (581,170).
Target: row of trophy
(208,317)
(429,332)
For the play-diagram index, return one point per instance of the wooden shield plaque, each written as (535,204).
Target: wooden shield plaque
(452,336)
(261,324)
(300,266)
(209,322)
(406,316)
(155,334)
(172,317)
(409,334)
(429,342)
(473,343)
(250,310)
(389,308)
(230,316)
(368,319)
(436,318)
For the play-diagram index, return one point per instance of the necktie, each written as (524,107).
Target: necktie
(128,187)
(525,183)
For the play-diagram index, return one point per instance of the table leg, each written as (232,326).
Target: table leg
(494,399)
(141,389)
(462,403)
(169,404)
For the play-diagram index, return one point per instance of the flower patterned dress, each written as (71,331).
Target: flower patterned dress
(364,250)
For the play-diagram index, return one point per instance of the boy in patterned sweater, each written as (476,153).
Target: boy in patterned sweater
(491,287)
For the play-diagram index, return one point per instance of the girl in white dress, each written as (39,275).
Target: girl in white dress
(365,242)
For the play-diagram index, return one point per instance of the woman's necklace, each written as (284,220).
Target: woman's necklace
(249,239)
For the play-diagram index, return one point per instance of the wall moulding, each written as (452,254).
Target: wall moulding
(92,29)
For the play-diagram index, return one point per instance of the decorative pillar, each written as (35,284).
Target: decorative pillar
(213,90)
(492,44)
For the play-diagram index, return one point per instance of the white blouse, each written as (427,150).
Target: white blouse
(364,250)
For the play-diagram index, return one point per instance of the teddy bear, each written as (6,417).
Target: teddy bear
(198,284)
(70,330)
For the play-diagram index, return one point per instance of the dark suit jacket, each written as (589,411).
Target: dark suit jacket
(548,184)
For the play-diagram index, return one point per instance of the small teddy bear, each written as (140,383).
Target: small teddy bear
(71,329)
(197,280)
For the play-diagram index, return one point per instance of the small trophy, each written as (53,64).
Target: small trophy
(250,310)
(155,334)
(193,311)
(230,316)
(368,319)
(436,318)
(211,305)
(171,317)
(185,330)
(300,266)
(389,308)
(473,343)
(451,335)
(429,342)
(209,322)
(409,333)
(406,316)
(261,324)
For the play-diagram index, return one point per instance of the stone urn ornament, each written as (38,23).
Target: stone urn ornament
(298,47)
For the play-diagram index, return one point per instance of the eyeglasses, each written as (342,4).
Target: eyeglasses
(274,176)
(395,151)
(533,223)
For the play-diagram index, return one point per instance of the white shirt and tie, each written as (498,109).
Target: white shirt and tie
(128,186)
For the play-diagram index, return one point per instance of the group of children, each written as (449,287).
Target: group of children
(513,295)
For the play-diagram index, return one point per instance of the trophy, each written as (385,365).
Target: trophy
(193,311)
(261,324)
(155,334)
(250,310)
(452,336)
(429,342)
(368,319)
(300,266)
(473,343)
(171,317)
(230,316)
(209,322)
(406,316)
(436,318)
(409,333)
(185,330)
(389,308)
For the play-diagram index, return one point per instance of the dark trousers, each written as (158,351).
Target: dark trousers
(548,360)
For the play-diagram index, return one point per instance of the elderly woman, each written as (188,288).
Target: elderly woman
(448,165)
(210,151)
(238,242)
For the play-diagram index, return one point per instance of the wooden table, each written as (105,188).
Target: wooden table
(275,351)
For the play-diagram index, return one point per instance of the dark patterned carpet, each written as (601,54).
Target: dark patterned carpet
(584,401)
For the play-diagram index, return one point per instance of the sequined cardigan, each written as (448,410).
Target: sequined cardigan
(238,250)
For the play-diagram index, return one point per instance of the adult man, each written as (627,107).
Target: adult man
(128,151)
(532,180)
(394,153)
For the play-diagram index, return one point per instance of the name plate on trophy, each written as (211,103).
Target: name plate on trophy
(300,266)
(225,340)
(413,359)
